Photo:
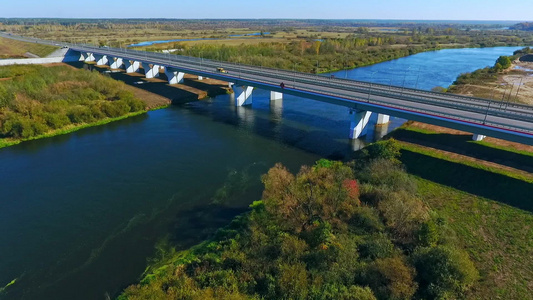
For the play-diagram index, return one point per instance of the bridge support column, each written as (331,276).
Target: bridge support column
(101,60)
(132,66)
(174,76)
(150,70)
(478,137)
(358,123)
(88,57)
(276,96)
(383,119)
(115,62)
(243,95)
(200,78)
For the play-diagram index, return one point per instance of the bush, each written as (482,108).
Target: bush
(376,246)
(56,121)
(292,281)
(443,272)
(80,114)
(366,220)
(389,278)
(386,149)
(341,292)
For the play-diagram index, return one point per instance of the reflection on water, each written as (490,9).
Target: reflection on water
(80,213)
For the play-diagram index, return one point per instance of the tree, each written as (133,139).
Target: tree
(443,272)
(504,61)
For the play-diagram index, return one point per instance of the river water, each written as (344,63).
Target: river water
(81,213)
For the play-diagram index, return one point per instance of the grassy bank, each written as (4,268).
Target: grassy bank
(6,142)
(16,49)
(38,101)
(485,192)
(498,237)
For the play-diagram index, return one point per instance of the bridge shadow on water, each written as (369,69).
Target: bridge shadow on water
(284,128)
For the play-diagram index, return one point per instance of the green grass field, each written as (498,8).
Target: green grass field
(489,207)
(16,49)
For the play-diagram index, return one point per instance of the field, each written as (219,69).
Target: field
(16,49)
(485,191)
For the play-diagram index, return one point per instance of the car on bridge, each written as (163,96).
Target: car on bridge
(221,70)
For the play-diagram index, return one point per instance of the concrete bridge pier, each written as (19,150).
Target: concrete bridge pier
(358,123)
(174,76)
(276,96)
(88,57)
(132,66)
(150,70)
(478,137)
(383,119)
(101,60)
(242,94)
(115,62)
(200,78)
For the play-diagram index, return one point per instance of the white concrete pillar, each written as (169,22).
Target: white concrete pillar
(101,60)
(132,66)
(200,78)
(358,123)
(243,95)
(150,70)
(174,76)
(383,119)
(115,62)
(89,57)
(478,137)
(275,96)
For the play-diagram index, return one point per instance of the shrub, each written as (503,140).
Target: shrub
(443,272)
(376,246)
(342,292)
(385,149)
(56,121)
(389,278)
(366,220)
(80,114)
(292,281)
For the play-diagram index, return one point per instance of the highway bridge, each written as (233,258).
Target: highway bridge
(482,117)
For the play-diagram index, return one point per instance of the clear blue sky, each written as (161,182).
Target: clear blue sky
(521,10)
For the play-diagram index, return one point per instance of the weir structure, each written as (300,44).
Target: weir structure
(482,117)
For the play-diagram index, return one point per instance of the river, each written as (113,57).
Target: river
(81,213)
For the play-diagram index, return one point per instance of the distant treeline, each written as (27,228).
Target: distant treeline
(523,26)
(35,99)
(255,23)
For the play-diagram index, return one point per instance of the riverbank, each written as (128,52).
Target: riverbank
(511,83)
(6,142)
(154,93)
